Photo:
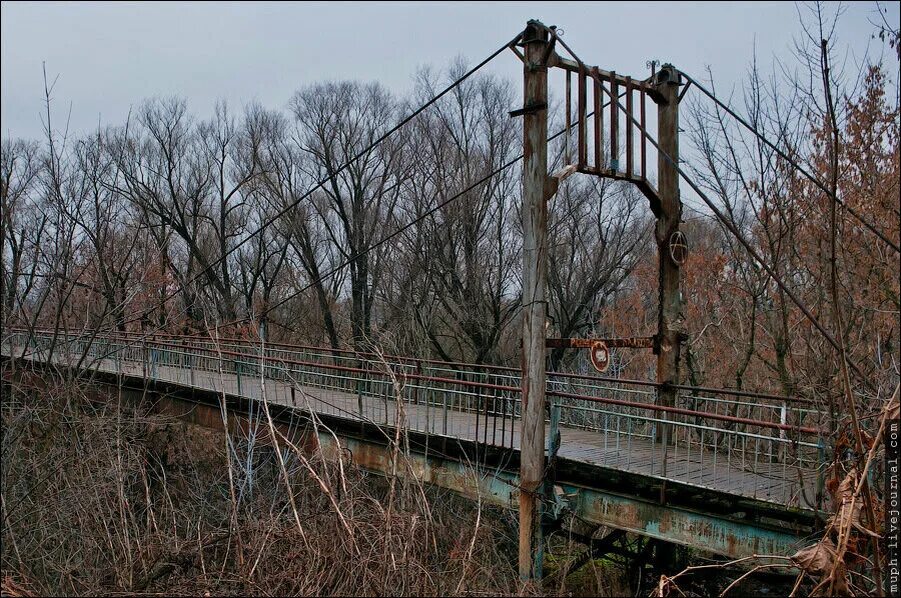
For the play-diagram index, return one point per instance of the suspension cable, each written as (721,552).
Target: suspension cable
(405,227)
(332,175)
(318,185)
(793,163)
(737,234)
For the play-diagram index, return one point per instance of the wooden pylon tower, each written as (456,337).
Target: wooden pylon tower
(621,101)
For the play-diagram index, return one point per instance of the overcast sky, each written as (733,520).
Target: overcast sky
(109,57)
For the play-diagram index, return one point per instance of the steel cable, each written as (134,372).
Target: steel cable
(792,162)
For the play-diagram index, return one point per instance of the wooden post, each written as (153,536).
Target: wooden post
(534,306)
(669,320)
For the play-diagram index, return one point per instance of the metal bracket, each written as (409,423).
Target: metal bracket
(668,75)
(561,501)
(530,109)
(684,91)
(535,31)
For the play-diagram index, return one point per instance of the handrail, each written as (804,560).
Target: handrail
(254,360)
(420,360)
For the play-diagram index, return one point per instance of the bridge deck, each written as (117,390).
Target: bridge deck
(774,481)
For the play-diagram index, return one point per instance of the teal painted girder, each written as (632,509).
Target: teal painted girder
(704,531)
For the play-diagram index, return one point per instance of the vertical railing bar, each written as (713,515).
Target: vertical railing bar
(606,429)
(444,399)
(729,441)
(716,445)
(629,446)
(494,414)
(744,452)
(756,467)
(477,414)
(513,399)
(567,152)
(701,452)
(675,433)
(598,116)
(629,126)
(618,428)
(504,418)
(583,109)
(614,123)
(428,408)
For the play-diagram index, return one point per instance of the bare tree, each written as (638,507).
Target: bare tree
(286,185)
(111,229)
(338,121)
(462,261)
(598,231)
(22,225)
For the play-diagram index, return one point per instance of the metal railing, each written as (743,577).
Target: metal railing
(765,448)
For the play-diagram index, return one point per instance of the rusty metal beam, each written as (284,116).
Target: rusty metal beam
(635,342)
(694,528)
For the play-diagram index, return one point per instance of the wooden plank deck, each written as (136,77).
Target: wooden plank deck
(775,482)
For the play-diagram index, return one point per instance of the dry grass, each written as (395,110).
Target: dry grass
(100,497)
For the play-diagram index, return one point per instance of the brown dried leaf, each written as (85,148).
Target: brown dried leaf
(832,487)
(846,515)
(816,560)
(842,442)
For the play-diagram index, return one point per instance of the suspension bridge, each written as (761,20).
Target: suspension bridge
(730,472)
(738,475)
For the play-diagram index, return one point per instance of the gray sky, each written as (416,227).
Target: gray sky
(109,57)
